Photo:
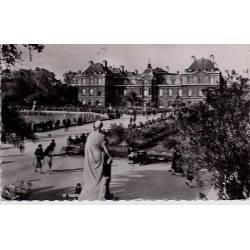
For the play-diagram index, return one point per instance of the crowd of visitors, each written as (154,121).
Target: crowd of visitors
(51,124)
(77,140)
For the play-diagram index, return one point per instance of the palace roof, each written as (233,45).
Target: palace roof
(202,65)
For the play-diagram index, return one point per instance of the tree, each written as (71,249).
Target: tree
(10,54)
(218,136)
(12,122)
(69,77)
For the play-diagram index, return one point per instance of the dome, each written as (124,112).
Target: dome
(201,65)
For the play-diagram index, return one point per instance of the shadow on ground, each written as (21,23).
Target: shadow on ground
(49,193)
(152,185)
(70,170)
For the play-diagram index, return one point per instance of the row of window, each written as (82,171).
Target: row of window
(172,80)
(91,92)
(180,93)
(191,80)
(89,81)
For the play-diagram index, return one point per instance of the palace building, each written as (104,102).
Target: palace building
(104,85)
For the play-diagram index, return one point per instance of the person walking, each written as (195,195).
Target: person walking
(52,145)
(50,160)
(21,147)
(94,186)
(49,154)
(39,154)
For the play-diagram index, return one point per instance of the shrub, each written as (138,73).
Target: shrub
(170,142)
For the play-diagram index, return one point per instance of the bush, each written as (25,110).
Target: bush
(113,140)
(170,142)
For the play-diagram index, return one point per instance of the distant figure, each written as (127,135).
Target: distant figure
(49,153)
(77,140)
(34,106)
(131,155)
(134,116)
(131,120)
(83,138)
(176,161)
(21,147)
(93,175)
(52,145)
(189,176)
(39,154)
(70,140)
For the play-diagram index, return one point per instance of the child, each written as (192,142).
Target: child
(78,190)
(189,176)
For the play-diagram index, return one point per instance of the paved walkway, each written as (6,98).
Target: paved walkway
(129,182)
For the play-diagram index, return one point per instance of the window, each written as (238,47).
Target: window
(200,93)
(83,102)
(212,79)
(95,80)
(84,81)
(206,79)
(100,81)
(83,91)
(99,93)
(184,80)
(195,79)
(173,80)
(180,92)
(145,92)
(91,91)
(170,92)
(161,92)
(125,92)
(133,81)
(190,92)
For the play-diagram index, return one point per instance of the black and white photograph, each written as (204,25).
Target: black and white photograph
(125,122)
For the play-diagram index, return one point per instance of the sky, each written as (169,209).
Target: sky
(62,58)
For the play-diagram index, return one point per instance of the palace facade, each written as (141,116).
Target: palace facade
(103,85)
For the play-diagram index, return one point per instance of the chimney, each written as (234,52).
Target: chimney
(91,62)
(105,63)
(136,72)
(122,68)
(167,68)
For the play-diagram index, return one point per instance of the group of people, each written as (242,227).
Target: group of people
(41,154)
(97,164)
(77,140)
(50,124)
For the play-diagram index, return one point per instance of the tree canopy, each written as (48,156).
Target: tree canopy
(218,134)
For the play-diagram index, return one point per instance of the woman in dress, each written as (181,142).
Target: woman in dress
(93,176)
